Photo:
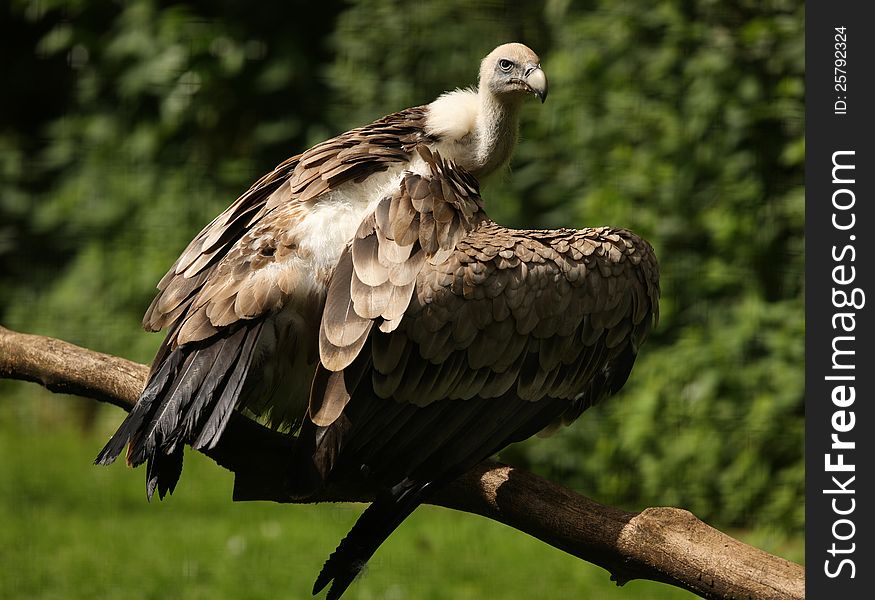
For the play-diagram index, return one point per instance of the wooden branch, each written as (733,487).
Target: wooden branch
(662,544)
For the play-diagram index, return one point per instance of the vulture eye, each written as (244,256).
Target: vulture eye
(505,65)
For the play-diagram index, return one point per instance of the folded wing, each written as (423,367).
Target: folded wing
(247,293)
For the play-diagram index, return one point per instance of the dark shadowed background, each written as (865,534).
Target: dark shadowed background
(126,126)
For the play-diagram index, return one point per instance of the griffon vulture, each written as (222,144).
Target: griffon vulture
(359,297)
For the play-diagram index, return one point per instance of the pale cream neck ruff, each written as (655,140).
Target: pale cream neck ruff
(476,131)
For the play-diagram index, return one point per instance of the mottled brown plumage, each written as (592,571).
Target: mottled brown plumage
(511,333)
(508,314)
(216,281)
(504,334)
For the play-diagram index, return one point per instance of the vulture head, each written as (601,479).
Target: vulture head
(512,71)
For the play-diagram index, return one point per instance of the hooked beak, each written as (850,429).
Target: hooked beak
(536,81)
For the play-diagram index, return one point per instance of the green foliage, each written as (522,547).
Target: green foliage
(680,120)
(684,123)
(158,132)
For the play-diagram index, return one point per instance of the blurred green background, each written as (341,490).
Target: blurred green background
(126,126)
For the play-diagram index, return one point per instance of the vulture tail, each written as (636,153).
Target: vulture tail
(188,400)
(376,524)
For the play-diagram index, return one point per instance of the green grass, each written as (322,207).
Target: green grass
(72,530)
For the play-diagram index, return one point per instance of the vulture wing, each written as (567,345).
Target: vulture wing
(504,334)
(246,290)
(265,219)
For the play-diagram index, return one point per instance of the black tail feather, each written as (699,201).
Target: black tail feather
(141,413)
(376,524)
(188,400)
(223,360)
(215,424)
(154,437)
(162,473)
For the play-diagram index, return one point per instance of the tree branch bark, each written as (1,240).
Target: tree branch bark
(662,544)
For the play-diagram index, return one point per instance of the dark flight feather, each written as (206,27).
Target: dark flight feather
(215,423)
(141,412)
(170,410)
(378,521)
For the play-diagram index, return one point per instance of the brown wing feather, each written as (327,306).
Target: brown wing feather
(569,295)
(385,258)
(471,375)
(358,153)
